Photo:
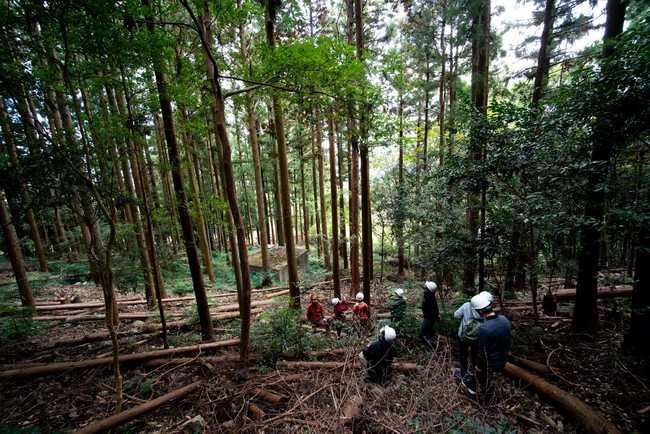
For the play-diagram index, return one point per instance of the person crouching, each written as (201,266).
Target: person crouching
(378,356)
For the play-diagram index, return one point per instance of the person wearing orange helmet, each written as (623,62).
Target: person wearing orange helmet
(315,312)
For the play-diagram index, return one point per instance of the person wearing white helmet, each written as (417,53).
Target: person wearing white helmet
(398,309)
(487,295)
(361,313)
(339,307)
(430,312)
(467,345)
(494,339)
(379,356)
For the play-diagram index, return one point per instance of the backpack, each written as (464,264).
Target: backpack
(470,330)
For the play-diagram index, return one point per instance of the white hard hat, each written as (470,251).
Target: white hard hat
(399,292)
(335,301)
(389,333)
(431,286)
(479,302)
(359,296)
(487,295)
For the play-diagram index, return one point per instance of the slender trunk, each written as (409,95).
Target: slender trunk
(303,190)
(585,313)
(207,329)
(543,57)
(314,179)
(336,274)
(240,255)
(15,256)
(321,183)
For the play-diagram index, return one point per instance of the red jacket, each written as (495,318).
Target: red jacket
(339,310)
(361,311)
(315,312)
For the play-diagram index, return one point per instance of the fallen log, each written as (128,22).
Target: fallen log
(54,368)
(226,315)
(603,292)
(130,414)
(267,395)
(537,367)
(397,366)
(176,361)
(100,317)
(256,412)
(101,303)
(590,420)
(229,307)
(276,294)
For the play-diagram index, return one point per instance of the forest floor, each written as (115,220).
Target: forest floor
(318,400)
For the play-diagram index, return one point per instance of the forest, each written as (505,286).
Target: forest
(179,179)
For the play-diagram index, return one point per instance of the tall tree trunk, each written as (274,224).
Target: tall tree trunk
(585,312)
(399,229)
(343,243)
(336,274)
(24,192)
(543,57)
(303,190)
(240,255)
(207,330)
(442,87)
(292,266)
(321,185)
(353,181)
(15,256)
(480,71)
(314,183)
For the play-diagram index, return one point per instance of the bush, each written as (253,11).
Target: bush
(280,335)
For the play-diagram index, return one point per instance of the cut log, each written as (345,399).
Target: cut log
(603,292)
(188,360)
(130,414)
(267,395)
(54,368)
(256,412)
(101,303)
(397,366)
(529,364)
(590,420)
(226,315)
(276,294)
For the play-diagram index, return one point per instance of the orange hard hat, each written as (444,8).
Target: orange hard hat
(314,297)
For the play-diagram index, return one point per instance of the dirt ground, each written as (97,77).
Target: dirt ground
(589,366)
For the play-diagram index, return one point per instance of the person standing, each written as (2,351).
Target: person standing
(315,312)
(494,341)
(361,313)
(398,309)
(339,307)
(430,312)
(468,339)
(378,356)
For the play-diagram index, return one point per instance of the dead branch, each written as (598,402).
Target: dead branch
(397,366)
(591,421)
(128,415)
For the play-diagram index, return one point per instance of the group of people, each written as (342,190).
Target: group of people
(484,339)
(340,306)
(484,336)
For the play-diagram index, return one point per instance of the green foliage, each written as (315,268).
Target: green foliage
(75,272)
(16,325)
(525,340)
(185,339)
(280,335)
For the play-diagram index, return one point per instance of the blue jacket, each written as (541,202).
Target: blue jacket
(379,355)
(493,342)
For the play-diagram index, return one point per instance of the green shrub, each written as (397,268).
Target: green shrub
(16,325)
(280,335)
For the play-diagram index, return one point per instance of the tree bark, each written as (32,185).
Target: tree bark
(336,273)
(585,312)
(207,330)
(15,256)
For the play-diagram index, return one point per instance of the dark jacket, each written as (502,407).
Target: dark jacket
(398,309)
(493,342)
(379,355)
(430,306)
